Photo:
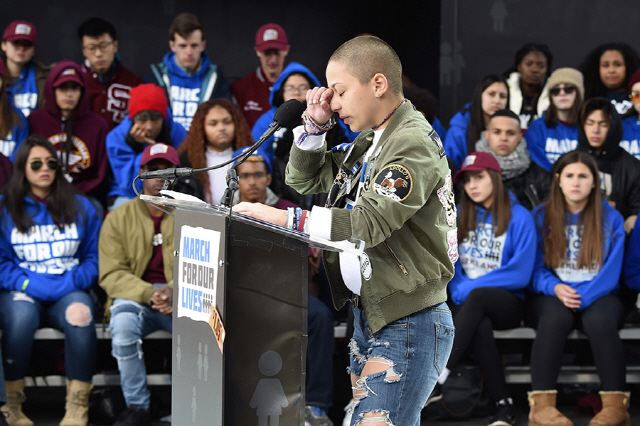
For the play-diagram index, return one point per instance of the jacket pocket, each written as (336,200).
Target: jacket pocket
(396,258)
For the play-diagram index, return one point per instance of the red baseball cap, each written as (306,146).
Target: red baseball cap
(21,30)
(160,151)
(475,162)
(271,36)
(68,74)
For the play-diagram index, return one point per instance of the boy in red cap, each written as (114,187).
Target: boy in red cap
(25,77)
(77,133)
(251,92)
(149,121)
(136,271)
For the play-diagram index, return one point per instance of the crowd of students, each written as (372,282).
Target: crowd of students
(547,174)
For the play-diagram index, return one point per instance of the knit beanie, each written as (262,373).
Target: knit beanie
(147,96)
(635,78)
(567,76)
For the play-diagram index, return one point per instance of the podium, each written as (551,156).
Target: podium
(239,317)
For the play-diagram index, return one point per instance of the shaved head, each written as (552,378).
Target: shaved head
(367,56)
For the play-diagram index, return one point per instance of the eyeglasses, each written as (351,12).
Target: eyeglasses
(256,175)
(299,89)
(148,115)
(567,89)
(635,97)
(51,164)
(91,48)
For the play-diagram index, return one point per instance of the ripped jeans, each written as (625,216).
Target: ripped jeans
(130,322)
(409,355)
(21,316)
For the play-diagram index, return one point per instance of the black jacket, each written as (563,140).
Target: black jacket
(188,185)
(532,187)
(622,167)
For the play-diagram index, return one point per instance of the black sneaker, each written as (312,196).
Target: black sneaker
(504,413)
(134,416)
(436,394)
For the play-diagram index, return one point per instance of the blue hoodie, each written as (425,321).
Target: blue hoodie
(547,144)
(125,162)
(267,118)
(23,93)
(455,143)
(590,284)
(503,261)
(186,92)
(632,260)
(56,262)
(19,133)
(631,136)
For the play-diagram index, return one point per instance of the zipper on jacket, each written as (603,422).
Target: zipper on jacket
(398,262)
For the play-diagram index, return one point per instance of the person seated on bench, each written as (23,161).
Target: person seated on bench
(496,237)
(49,259)
(136,271)
(578,264)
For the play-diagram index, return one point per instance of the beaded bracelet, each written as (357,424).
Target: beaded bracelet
(318,129)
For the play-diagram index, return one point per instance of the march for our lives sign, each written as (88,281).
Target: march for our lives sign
(198,272)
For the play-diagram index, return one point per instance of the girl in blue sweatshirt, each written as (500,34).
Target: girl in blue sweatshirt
(631,119)
(49,260)
(556,131)
(496,238)
(489,96)
(578,264)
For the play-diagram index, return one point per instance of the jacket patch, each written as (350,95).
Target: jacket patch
(394,181)
(452,241)
(365,266)
(446,197)
(437,142)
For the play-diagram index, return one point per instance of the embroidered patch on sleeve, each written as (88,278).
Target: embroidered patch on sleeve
(394,181)
(446,197)
(437,142)
(452,241)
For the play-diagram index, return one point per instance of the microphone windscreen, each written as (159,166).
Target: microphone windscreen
(289,113)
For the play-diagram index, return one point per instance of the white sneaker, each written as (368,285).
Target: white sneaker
(348,412)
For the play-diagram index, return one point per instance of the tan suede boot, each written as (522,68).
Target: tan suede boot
(614,410)
(77,406)
(543,409)
(12,410)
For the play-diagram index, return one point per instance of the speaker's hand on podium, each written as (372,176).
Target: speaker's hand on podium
(262,212)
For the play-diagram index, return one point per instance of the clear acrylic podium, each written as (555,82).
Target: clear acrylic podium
(255,275)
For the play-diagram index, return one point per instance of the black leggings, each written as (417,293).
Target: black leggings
(553,322)
(485,309)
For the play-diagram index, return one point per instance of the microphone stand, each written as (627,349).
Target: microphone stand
(232,187)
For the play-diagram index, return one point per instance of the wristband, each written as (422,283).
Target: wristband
(318,129)
(25,284)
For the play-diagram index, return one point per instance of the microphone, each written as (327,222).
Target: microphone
(287,115)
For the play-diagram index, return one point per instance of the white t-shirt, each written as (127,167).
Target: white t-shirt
(218,177)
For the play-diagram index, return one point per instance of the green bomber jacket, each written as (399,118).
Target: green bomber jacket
(125,249)
(405,215)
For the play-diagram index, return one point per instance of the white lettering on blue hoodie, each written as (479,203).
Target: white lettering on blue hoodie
(590,283)
(55,261)
(547,144)
(9,143)
(503,261)
(631,136)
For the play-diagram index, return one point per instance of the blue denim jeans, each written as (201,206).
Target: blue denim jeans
(20,317)
(130,322)
(413,352)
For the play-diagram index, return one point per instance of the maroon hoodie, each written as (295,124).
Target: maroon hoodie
(87,160)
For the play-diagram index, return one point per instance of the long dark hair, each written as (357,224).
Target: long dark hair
(8,117)
(551,117)
(61,202)
(500,209)
(590,67)
(476,121)
(195,144)
(554,230)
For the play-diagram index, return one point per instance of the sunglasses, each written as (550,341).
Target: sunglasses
(567,89)
(635,97)
(51,164)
